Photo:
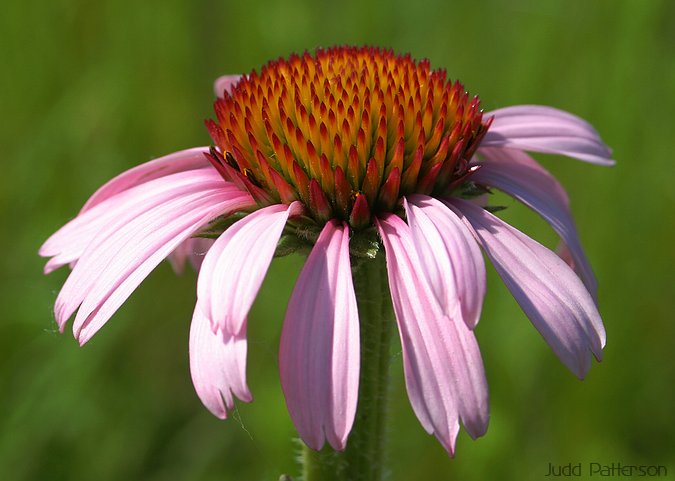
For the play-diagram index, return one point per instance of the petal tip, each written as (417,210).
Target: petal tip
(82,339)
(315,443)
(338,443)
(477,430)
(448,444)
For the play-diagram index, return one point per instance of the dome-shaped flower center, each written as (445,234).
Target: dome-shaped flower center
(347,131)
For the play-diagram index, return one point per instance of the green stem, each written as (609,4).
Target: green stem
(363,458)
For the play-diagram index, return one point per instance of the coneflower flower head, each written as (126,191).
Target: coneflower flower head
(346,152)
(346,131)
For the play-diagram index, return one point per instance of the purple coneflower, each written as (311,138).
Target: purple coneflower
(344,152)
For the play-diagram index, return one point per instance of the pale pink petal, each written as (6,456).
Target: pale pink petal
(178,257)
(96,243)
(193,249)
(441,360)
(235,266)
(319,352)
(225,84)
(520,176)
(169,164)
(545,129)
(552,296)
(68,243)
(139,247)
(217,366)
(97,225)
(200,246)
(451,259)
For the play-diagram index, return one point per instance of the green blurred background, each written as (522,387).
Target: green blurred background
(88,89)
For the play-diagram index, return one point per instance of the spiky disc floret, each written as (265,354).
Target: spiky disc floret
(347,131)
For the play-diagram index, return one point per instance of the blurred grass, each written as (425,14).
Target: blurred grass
(88,89)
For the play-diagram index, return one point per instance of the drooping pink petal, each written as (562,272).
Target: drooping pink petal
(200,246)
(452,260)
(552,296)
(169,164)
(520,176)
(99,225)
(193,249)
(235,266)
(319,351)
(217,366)
(225,84)
(140,246)
(68,243)
(139,230)
(544,129)
(441,360)
(178,257)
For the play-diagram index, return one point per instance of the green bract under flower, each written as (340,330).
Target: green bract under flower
(347,131)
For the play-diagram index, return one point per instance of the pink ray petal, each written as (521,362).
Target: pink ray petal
(68,243)
(235,266)
(178,257)
(443,369)
(225,84)
(169,164)
(470,383)
(140,248)
(88,238)
(117,256)
(200,246)
(520,176)
(319,352)
(193,249)
(550,293)
(452,260)
(545,129)
(217,366)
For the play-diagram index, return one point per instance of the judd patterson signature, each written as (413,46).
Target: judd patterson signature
(606,470)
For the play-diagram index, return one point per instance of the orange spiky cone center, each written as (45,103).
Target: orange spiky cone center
(347,131)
